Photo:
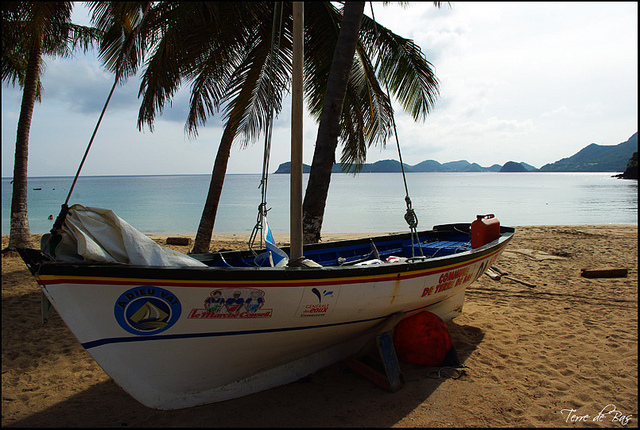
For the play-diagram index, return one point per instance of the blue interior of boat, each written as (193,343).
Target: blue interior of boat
(352,252)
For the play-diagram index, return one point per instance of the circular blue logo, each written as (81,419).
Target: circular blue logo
(147,310)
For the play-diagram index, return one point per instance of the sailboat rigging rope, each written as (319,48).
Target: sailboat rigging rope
(410,215)
(65,206)
(262,207)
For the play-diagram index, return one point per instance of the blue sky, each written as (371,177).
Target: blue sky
(532,82)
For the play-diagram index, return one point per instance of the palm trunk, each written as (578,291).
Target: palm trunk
(329,128)
(20,236)
(208,219)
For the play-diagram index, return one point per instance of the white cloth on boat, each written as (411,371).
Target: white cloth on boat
(95,234)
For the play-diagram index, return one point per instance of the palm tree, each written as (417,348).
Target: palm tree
(241,78)
(411,79)
(226,62)
(254,92)
(229,66)
(29,31)
(329,128)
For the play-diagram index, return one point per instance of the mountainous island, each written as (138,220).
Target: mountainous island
(592,158)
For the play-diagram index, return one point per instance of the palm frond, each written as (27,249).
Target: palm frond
(218,60)
(128,29)
(256,89)
(367,114)
(161,79)
(322,25)
(401,65)
(47,23)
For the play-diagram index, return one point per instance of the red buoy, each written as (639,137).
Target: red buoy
(423,339)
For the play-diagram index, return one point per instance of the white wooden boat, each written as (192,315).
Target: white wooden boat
(175,337)
(176,331)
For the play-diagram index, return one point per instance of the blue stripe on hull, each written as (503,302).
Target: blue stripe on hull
(101,342)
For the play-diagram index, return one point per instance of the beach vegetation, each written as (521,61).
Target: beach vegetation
(32,30)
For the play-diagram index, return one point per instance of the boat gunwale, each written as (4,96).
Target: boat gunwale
(57,272)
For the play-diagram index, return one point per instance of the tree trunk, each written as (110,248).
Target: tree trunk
(208,219)
(329,128)
(19,235)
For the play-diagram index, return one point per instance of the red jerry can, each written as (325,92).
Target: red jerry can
(484,229)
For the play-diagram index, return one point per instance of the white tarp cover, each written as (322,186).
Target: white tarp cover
(94,234)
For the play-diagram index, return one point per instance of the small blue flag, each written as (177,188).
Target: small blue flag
(279,257)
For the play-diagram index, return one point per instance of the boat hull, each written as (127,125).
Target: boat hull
(175,338)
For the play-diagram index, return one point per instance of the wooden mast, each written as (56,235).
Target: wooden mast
(295,215)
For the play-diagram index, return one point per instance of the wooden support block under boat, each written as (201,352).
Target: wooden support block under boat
(384,372)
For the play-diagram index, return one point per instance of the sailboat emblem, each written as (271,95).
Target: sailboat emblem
(149,317)
(147,310)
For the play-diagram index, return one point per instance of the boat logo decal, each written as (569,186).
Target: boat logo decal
(232,303)
(147,310)
(316,303)
(321,295)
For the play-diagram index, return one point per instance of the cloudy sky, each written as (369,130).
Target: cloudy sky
(532,82)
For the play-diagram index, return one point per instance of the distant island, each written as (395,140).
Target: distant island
(592,158)
(597,158)
(513,167)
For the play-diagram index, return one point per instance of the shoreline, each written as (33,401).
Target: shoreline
(359,233)
(282,239)
(543,356)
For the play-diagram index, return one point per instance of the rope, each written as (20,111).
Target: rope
(262,207)
(65,206)
(450,372)
(410,216)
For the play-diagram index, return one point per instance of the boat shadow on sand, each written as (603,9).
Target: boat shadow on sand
(335,396)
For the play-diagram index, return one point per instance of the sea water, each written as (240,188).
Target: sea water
(368,202)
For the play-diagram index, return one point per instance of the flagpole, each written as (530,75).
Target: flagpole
(296,133)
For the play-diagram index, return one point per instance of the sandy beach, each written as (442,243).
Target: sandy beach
(563,353)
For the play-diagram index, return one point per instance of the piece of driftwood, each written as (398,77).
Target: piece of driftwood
(604,272)
(185,241)
(493,275)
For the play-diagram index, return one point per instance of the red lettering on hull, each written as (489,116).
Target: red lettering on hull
(205,314)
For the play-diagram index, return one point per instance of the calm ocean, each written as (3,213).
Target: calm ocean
(370,202)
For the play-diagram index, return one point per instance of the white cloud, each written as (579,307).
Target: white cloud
(562,111)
